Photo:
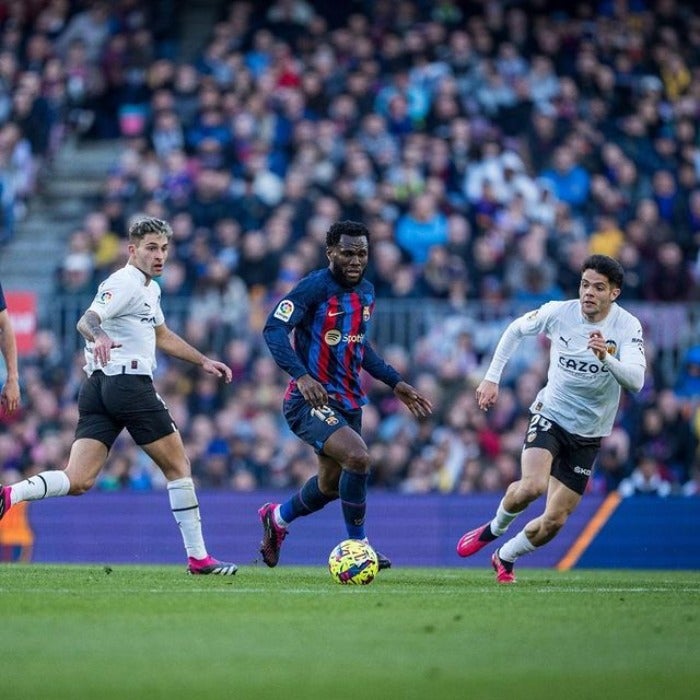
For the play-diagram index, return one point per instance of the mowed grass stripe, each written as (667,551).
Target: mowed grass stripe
(242,590)
(154,632)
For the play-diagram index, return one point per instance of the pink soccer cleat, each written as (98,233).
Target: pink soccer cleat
(209,565)
(503,569)
(273,535)
(474,540)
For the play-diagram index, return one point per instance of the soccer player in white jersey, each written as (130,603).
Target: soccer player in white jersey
(122,328)
(596,350)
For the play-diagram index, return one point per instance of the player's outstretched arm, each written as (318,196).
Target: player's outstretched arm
(419,405)
(486,394)
(172,344)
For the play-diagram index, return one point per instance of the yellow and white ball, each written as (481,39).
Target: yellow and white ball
(353,562)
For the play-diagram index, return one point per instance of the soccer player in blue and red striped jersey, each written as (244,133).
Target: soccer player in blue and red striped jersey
(328,313)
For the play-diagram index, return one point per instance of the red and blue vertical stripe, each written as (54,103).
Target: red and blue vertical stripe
(337,365)
(330,324)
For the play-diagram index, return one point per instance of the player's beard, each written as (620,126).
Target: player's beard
(343,279)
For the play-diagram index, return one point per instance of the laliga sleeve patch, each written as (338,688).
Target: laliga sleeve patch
(284,310)
(104,297)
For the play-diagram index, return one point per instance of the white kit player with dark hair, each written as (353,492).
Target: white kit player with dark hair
(596,350)
(122,329)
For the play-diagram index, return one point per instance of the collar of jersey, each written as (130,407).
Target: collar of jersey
(142,277)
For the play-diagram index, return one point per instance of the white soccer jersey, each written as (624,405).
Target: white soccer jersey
(129,310)
(581,395)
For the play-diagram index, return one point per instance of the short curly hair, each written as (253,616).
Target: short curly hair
(345,228)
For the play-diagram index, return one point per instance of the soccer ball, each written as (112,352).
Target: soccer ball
(353,562)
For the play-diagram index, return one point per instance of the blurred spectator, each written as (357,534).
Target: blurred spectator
(18,172)
(76,274)
(613,461)
(645,480)
(32,112)
(84,86)
(91,26)
(669,278)
(491,151)
(531,275)
(692,486)
(688,380)
(683,447)
(421,228)
(571,182)
(607,238)
(221,301)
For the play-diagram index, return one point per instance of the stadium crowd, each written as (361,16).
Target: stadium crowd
(488,145)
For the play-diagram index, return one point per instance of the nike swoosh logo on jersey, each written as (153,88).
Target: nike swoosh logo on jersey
(335,313)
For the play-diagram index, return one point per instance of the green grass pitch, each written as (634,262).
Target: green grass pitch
(291,633)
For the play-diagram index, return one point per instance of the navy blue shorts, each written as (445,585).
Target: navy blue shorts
(315,425)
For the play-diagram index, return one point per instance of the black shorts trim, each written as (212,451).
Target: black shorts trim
(108,404)
(573,455)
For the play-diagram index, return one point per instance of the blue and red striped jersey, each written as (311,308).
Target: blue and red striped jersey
(329,324)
